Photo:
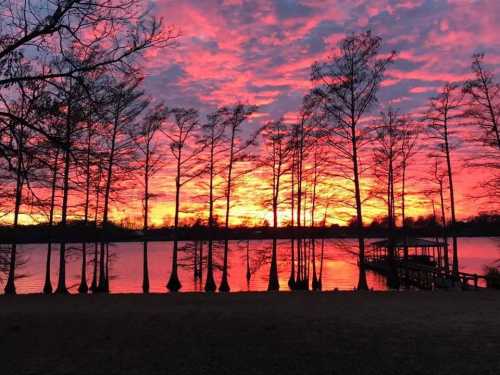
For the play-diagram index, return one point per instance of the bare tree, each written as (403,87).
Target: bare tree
(388,170)
(214,138)
(444,111)
(125,103)
(234,117)
(19,154)
(151,163)
(303,137)
(484,101)
(347,86)
(112,31)
(70,118)
(182,133)
(483,110)
(439,178)
(93,102)
(47,288)
(275,134)
(409,134)
(20,138)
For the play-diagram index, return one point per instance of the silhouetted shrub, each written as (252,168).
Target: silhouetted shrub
(492,275)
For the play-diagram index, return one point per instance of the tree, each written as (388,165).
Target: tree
(97,189)
(444,111)
(182,133)
(19,137)
(47,288)
(483,110)
(484,101)
(234,117)
(150,162)
(19,155)
(300,140)
(388,170)
(113,31)
(438,178)
(214,138)
(70,118)
(93,101)
(346,87)
(125,103)
(275,134)
(409,134)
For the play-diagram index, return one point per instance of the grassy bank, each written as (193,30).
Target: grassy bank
(288,333)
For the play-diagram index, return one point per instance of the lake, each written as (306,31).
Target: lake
(339,267)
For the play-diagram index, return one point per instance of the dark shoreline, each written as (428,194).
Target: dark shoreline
(77,234)
(252,333)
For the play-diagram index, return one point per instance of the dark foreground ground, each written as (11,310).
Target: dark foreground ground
(289,333)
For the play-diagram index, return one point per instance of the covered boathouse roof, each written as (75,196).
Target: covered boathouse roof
(409,242)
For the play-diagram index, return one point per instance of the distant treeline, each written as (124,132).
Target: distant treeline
(483,225)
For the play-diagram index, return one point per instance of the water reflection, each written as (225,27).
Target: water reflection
(330,264)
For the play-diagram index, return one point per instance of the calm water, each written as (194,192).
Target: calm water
(339,269)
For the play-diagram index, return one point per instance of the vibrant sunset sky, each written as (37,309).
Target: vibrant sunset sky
(261,51)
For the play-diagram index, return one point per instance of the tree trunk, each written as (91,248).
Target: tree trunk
(291,279)
(174,284)
(109,178)
(362,284)
(445,236)
(455,266)
(145,270)
(274,284)
(61,284)
(210,282)
(83,288)
(224,285)
(47,287)
(10,286)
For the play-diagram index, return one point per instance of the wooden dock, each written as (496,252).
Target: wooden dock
(420,264)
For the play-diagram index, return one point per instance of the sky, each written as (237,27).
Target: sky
(260,52)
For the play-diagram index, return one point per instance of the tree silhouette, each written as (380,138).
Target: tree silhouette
(182,133)
(47,288)
(483,111)
(388,163)
(214,138)
(19,158)
(484,101)
(444,110)
(346,86)
(125,103)
(276,159)
(150,162)
(234,117)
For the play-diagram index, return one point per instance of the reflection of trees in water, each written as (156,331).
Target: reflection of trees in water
(111,257)
(21,260)
(350,248)
(259,256)
(4,262)
(193,256)
(74,253)
(347,247)
(497,262)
